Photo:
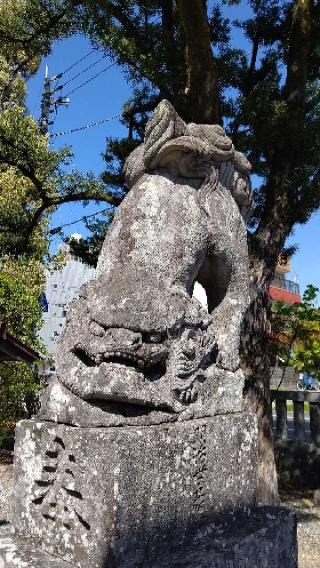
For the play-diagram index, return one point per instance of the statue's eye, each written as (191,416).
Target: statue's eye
(155,338)
(96,329)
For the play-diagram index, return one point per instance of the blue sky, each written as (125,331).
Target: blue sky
(100,98)
(105,97)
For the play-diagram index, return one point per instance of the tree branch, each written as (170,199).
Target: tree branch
(29,174)
(85,196)
(82,196)
(276,219)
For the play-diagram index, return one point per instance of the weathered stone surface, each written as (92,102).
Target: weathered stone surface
(141,455)
(59,404)
(93,496)
(265,538)
(17,553)
(6,487)
(316,497)
(136,337)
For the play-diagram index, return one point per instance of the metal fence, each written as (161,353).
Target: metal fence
(298,400)
(284,284)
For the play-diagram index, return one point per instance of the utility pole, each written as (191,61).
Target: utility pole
(48,102)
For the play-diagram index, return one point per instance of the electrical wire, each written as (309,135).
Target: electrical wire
(74,64)
(89,80)
(85,127)
(84,218)
(83,71)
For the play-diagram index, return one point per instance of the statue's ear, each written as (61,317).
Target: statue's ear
(164,125)
(133,168)
(241,190)
(243,194)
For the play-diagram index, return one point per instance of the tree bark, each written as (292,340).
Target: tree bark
(256,365)
(201,91)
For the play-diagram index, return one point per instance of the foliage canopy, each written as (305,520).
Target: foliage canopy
(297,328)
(268,94)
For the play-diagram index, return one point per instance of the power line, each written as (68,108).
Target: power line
(85,127)
(74,65)
(48,101)
(89,80)
(84,218)
(81,72)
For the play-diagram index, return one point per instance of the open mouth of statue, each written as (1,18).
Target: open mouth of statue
(120,379)
(151,369)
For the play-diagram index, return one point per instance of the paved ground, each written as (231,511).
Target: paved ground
(6,470)
(308,517)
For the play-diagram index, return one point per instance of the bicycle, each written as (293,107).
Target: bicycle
(308,383)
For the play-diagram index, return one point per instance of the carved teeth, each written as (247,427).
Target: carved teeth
(188,395)
(181,397)
(129,356)
(193,394)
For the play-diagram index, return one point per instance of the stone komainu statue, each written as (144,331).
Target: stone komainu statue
(137,342)
(138,352)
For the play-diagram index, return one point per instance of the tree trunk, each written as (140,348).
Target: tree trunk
(202,96)
(257,371)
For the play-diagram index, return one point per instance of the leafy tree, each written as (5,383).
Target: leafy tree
(27,30)
(33,180)
(296,329)
(21,283)
(43,178)
(27,169)
(89,249)
(267,96)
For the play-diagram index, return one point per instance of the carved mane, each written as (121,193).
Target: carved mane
(168,139)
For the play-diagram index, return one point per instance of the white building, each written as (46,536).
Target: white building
(61,288)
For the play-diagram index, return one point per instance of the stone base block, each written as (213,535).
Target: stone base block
(267,538)
(16,553)
(116,497)
(264,539)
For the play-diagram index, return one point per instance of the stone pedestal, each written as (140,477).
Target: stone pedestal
(265,538)
(121,497)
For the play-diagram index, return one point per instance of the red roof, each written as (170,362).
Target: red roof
(284,295)
(12,349)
